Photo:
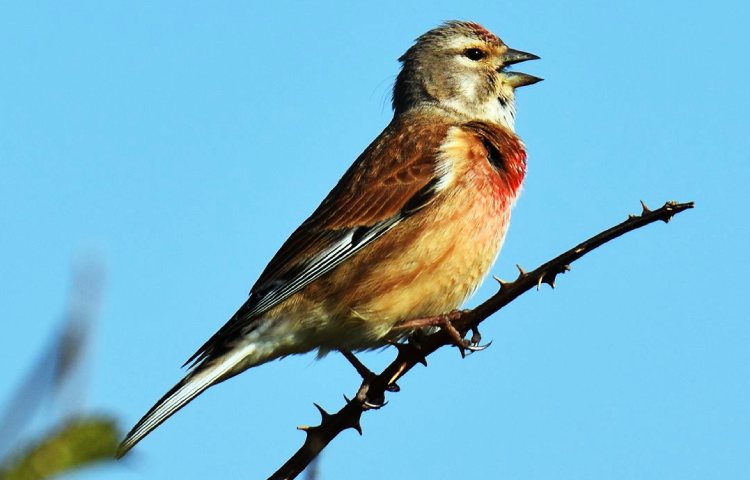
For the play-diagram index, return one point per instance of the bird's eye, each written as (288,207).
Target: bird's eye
(474,54)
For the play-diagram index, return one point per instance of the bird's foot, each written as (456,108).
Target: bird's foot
(476,338)
(365,397)
(368,376)
(472,345)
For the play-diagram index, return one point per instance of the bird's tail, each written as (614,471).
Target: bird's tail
(181,394)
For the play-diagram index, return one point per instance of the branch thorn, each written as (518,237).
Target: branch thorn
(500,281)
(356,425)
(323,414)
(645,210)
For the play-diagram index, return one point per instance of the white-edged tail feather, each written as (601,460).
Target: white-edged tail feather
(182,393)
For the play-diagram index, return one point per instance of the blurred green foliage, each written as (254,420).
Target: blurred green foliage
(74,444)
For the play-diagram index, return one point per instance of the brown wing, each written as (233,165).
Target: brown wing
(394,177)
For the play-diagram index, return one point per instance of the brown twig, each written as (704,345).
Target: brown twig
(372,390)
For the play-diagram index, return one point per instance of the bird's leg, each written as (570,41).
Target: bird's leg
(363,371)
(367,377)
(445,322)
(458,340)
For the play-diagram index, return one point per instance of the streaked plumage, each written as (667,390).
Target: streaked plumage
(409,231)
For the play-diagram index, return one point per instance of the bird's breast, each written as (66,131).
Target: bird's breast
(431,262)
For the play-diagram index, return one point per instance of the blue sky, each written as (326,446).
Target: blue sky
(182,142)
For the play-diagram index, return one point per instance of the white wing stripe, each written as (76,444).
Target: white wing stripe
(324,263)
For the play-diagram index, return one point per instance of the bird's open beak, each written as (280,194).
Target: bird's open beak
(518,79)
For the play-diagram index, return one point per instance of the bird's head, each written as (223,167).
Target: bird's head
(462,68)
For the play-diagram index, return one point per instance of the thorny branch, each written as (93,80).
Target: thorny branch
(371,393)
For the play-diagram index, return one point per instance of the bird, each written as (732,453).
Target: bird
(409,231)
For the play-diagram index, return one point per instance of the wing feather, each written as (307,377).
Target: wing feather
(393,178)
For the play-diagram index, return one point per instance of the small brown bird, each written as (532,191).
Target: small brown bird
(410,230)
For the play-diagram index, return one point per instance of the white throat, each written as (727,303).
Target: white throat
(493,111)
